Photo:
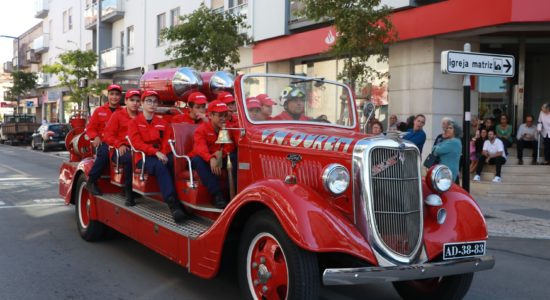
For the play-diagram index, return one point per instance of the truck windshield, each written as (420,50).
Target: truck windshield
(295,99)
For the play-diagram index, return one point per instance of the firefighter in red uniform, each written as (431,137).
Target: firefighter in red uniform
(206,153)
(94,130)
(254,108)
(150,134)
(229,100)
(267,106)
(197,110)
(293,99)
(115,136)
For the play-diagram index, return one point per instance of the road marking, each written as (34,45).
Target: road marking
(15,170)
(51,200)
(18,178)
(2,203)
(34,205)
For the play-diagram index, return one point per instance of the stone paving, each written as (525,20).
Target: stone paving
(514,218)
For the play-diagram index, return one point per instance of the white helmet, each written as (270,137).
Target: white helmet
(292,92)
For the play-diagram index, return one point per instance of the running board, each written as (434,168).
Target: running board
(158,213)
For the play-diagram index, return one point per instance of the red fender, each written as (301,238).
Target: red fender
(308,219)
(465,221)
(69,173)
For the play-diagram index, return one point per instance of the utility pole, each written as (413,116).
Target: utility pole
(18,63)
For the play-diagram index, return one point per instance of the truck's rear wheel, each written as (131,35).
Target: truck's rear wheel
(271,266)
(449,287)
(89,229)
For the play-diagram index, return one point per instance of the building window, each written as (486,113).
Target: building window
(217,5)
(161,24)
(130,40)
(175,17)
(68,20)
(51,29)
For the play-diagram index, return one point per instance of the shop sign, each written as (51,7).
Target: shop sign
(474,63)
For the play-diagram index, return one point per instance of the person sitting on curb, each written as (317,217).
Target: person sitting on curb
(95,129)
(197,110)
(115,136)
(493,153)
(150,134)
(527,138)
(209,158)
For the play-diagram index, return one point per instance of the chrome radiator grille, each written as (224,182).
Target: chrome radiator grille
(395,195)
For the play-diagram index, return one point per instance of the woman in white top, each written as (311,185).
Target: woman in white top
(544,129)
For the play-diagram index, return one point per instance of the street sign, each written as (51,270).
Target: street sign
(30,104)
(486,64)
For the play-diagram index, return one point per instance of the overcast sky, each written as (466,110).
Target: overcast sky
(14,23)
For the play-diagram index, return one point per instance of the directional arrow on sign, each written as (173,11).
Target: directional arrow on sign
(508,66)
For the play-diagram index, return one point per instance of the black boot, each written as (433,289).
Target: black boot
(130,201)
(220,201)
(92,187)
(176,209)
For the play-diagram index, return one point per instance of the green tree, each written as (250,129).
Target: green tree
(363,27)
(207,40)
(75,65)
(23,82)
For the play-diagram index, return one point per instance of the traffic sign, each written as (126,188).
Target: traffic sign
(474,63)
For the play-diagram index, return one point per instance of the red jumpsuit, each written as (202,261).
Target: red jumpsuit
(150,137)
(99,120)
(286,116)
(185,118)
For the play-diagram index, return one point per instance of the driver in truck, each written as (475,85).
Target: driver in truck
(95,130)
(293,99)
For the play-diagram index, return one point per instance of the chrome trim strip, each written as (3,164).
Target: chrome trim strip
(352,276)
(203,208)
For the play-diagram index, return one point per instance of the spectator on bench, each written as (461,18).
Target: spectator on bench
(493,153)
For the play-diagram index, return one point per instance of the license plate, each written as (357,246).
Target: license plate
(461,250)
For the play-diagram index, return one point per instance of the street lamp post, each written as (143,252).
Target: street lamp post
(18,63)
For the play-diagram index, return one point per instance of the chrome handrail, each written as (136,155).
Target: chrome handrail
(191,182)
(141,174)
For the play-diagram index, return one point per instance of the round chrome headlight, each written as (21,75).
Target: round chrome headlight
(336,179)
(442,178)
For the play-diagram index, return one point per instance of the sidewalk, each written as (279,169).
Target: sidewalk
(508,217)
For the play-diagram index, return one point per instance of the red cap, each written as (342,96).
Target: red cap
(265,100)
(217,106)
(225,97)
(253,102)
(131,93)
(114,87)
(148,93)
(197,98)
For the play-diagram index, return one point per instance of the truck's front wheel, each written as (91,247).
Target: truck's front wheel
(449,287)
(89,229)
(271,266)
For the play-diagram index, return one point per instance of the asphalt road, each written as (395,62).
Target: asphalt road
(43,257)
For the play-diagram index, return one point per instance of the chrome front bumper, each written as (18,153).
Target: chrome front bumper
(366,275)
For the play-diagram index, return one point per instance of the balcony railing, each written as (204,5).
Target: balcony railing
(41,44)
(8,67)
(42,80)
(90,16)
(112,10)
(241,10)
(41,9)
(32,57)
(111,60)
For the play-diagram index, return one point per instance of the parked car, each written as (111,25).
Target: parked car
(50,136)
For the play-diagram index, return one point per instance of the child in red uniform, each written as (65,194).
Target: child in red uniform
(229,100)
(197,110)
(267,106)
(254,108)
(94,130)
(150,134)
(115,136)
(204,157)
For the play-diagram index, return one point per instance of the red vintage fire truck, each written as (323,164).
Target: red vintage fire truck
(317,201)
